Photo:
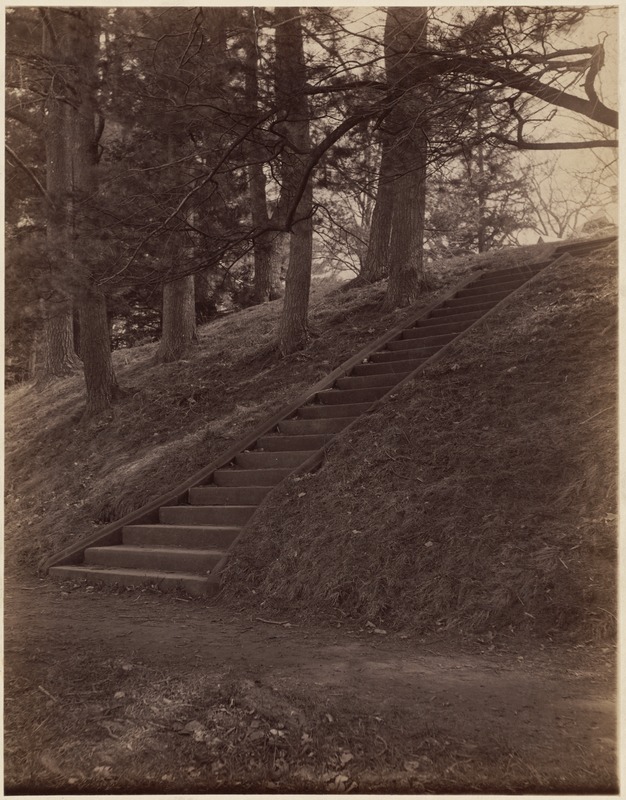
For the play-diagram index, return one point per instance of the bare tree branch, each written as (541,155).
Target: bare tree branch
(26,169)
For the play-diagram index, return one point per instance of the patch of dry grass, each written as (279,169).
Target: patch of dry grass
(481,498)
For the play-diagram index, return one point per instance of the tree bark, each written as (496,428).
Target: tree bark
(405,36)
(100,381)
(281,247)
(70,44)
(178,320)
(178,316)
(293,332)
(266,267)
(376,266)
(54,355)
(291,99)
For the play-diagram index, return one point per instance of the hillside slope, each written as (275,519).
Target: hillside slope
(64,478)
(482,498)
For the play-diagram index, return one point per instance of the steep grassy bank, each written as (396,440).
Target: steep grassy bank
(64,478)
(482,498)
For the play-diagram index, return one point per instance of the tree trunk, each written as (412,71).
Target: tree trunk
(54,355)
(406,250)
(293,332)
(405,36)
(178,320)
(281,247)
(376,266)
(292,100)
(266,269)
(70,44)
(102,388)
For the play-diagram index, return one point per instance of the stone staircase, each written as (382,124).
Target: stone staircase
(181,540)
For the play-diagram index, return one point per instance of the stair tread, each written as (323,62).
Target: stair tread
(205,506)
(177,526)
(82,569)
(161,548)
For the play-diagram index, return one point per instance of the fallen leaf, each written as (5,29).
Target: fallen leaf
(195,729)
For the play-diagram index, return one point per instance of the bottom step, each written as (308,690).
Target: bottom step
(166,581)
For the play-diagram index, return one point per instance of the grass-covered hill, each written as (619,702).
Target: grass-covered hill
(63,477)
(483,498)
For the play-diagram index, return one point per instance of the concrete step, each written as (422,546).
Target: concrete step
(399,356)
(448,319)
(256,459)
(349,396)
(422,342)
(485,292)
(455,308)
(165,581)
(205,515)
(167,559)
(327,426)
(339,410)
(398,368)
(250,477)
(387,378)
(280,443)
(435,329)
(189,536)
(226,495)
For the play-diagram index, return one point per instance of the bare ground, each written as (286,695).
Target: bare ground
(136,692)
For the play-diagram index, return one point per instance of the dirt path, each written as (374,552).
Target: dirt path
(124,692)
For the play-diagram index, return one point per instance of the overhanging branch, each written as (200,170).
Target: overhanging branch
(28,171)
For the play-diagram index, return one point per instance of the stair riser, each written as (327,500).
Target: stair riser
(454,308)
(435,329)
(481,293)
(398,355)
(282,443)
(220,495)
(348,396)
(205,515)
(501,277)
(387,379)
(424,342)
(310,426)
(255,460)
(399,368)
(153,559)
(193,585)
(250,477)
(450,319)
(325,411)
(190,537)
(490,300)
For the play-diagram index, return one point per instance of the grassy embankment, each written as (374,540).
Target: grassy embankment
(481,498)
